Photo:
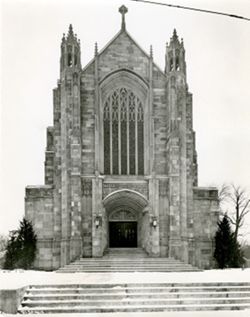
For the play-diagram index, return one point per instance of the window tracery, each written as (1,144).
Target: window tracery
(123,122)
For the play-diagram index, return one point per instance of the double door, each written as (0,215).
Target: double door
(123,234)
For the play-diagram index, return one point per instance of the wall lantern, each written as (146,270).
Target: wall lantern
(98,221)
(154,222)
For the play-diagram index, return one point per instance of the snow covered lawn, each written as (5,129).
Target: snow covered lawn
(241,313)
(20,278)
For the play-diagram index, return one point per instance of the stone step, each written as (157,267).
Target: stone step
(131,262)
(136,302)
(111,251)
(119,271)
(130,292)
(123,263)
(117,267)
(125,252)
(133,268)
(94,298)
(128,308)
(134,264)
(121,267)
(120,296)
(131,258)
(153,286)
(125,260)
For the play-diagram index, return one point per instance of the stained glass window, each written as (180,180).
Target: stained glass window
(115,116)
(123,118)
(132,134)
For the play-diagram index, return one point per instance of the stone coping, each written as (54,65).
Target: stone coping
(39,186)
(205,188)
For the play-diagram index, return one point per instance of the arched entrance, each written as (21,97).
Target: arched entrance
(123,226)
(125,219)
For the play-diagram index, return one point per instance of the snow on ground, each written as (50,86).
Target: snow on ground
(19,278)
(241,313)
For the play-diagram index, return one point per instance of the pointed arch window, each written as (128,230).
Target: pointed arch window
(123,123)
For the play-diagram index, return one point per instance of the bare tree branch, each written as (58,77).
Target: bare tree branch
(238,205)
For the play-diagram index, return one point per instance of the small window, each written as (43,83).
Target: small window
(70,60)
(171,66)
(177,63)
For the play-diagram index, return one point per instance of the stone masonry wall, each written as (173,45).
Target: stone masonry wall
(160,122)
(87,217)
(88,120)
(49,157)
(204,225)
(39,210)
(123,53)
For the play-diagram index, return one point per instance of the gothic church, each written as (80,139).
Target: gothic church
(120,161)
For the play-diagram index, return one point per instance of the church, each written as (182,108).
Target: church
(120,161)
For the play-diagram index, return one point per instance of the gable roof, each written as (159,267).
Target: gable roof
(133,41)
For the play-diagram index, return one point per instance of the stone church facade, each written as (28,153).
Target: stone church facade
(120,161)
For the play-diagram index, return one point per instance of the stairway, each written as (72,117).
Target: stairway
(156,297)
(127,260)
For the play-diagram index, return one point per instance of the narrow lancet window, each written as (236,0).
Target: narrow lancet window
(177,64)
(69,59)
(123,118)
(132,134)
(115,140)
(140,140)
(106,128)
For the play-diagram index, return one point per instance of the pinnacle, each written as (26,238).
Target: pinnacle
(151,51)
(175,36)
(70,32)
(71,36)
(96,49)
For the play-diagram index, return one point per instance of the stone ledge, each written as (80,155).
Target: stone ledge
(10,299)
(38,191)
(207,193)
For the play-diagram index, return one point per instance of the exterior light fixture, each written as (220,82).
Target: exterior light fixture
(154,222)
(98,221)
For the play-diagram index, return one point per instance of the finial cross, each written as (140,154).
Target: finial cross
(123,10)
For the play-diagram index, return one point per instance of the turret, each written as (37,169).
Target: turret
(175,56)
(70,53)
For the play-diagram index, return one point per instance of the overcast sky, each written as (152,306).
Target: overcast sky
(218,73)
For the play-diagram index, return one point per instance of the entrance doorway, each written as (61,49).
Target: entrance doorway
(123,234)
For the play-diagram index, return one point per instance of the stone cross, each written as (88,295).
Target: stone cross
(123,10)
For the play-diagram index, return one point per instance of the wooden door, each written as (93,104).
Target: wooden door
(123,234)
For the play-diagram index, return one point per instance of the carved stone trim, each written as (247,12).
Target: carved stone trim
(122,215)
(164,187)
(109,188)
(86,187)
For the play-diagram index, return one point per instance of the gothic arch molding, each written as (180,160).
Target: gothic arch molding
(137,86)
(125,197)
(124,77)
(124,209)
